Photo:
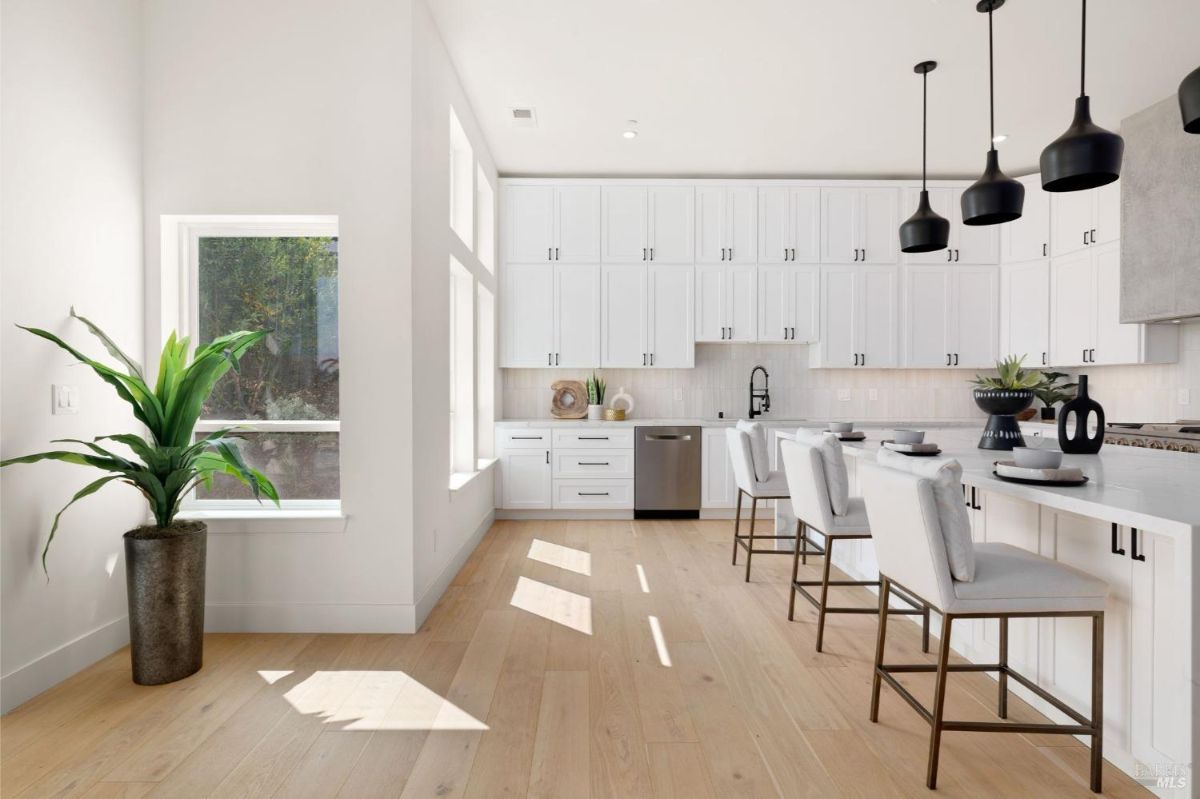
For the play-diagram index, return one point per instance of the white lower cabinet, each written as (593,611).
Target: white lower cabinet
(593,494)
(593,463)
(717,486)
(570,468)
(525,479)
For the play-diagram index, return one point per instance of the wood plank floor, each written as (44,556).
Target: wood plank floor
(567,659)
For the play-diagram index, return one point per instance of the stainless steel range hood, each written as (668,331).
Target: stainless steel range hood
(1160,217)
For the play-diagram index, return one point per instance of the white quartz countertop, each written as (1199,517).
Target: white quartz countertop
(1148,489)
(713,422)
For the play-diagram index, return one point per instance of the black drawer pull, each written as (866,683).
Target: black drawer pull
(1116,540)
(593,463)
(592,438)
(593,493)
(526,438)
(1133,545)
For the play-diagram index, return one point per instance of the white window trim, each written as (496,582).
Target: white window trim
(180,237)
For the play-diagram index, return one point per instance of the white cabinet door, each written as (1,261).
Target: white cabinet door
(711,230)
(941,200)
(928,305)
(672,211)
(1025,311)
(805,294)
(1114,342)
(973,244)
(1027,238)
(710,302)
(741,220)
(577,224)
(1072,308)
(839,225)
(671,324)
(623,315)
(806,224)
(525,476)
(528,315)
(741,283)
(839,316)
(577,315)
(1070,221)
(1106,213)
(775,310)
(879,209)
(774,224)
(975,319)
(717,486)
(529,211)
(623,226)
(877,328)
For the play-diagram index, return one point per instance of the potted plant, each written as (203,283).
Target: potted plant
(1002,397)
(164,561)
(1051,394)
(595,392)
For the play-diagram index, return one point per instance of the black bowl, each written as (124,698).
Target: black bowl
(1003,400)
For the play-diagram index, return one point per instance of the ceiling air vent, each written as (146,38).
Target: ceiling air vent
(524,118)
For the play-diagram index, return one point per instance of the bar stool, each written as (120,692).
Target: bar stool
(818,507)
(755,479)
(917,541)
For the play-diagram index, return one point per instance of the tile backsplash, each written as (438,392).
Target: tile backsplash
(719,383)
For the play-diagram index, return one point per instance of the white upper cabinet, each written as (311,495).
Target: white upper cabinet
(877,316)
(646,316)
(860,224)
(710,302)
(1083,219)
(1028,238)
(625,225)
(551,315)
(1115,342)
(642,223)
(577,315)
(553,223)
(789,302)
(967,244)
(672,342)
(726,224)
(726,302)
(975,316)
(857,317)
(789,224)
(623,301)
(671,223)
(950,316)
(1025,311)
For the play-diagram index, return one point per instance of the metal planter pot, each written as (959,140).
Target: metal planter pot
(164,573)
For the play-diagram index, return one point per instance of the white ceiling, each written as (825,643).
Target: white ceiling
(799,87)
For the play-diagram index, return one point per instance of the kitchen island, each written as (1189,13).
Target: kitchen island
(1132,525)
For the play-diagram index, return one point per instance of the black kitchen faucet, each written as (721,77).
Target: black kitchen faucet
(760,398)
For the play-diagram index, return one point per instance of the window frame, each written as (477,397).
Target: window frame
(188,233)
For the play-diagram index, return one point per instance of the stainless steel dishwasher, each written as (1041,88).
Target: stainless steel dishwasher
(666,473)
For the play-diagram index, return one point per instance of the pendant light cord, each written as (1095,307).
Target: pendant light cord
(1083,50)
(992,83)
(924,121)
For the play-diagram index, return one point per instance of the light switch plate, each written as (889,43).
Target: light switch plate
(1185,396)
(872,394)
(64,399)
(843,395)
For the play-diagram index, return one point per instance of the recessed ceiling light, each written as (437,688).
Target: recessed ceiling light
(630,134)
(999,137)
(630,131)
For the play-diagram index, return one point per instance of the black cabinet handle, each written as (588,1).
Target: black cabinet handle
(947,359)
(643,253)
(592,438)
(1085,237)
(1093,235)
(556,253)
(1133,545)
(547,456)
(549,253)
(549,359)
(593,463)
(956,359)
(1043,359)
(526,438)
(949,254)
(864,356)
(652,359)
(1116,540)
(974,505)
(556,359)
(1044,245)
(957,254)
(643,359)
(651,253)
(1092,355)
(1083,355)
(864,254)
(592,493)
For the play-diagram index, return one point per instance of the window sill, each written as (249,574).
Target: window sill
(460,480)
(270,521)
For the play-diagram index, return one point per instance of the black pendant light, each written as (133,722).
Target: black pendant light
(1087,155)
(1189,101)
(924,231)
(995,198)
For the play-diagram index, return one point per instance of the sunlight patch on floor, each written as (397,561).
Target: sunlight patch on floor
(642,579)
(660,643)
(556,604)
(575,560)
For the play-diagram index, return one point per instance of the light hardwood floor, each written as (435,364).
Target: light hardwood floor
(568,659)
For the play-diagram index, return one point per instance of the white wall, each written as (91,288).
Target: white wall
(304,106)
(70,208)
(447,524)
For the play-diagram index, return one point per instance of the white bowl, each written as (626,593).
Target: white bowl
(908,436)
(1037,457)
(841,427)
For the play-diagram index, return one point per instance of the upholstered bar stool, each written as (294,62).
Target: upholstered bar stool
(924,547)
(819,488)
(755,479)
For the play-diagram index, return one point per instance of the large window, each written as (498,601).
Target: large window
(283,277)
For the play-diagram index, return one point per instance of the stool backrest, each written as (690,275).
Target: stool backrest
(742,457)
(805,472)
(907,534)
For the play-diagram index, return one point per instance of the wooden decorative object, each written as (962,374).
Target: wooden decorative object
(570,399)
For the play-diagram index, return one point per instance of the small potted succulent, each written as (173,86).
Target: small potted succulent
(1002,397)
(1049,393)
(595,392)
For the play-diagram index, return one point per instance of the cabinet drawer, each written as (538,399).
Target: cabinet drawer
(594,438)
(523,438)
(584,494)
(586,463)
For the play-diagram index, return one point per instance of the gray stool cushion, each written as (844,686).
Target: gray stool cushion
(1009,578)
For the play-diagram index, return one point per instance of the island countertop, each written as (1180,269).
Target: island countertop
(1149,489)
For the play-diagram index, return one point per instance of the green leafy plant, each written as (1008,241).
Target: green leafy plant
(1050,393)
(595,390)
(171,462)
(1011,377)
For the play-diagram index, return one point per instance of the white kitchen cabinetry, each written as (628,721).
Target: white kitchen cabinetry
(967,244)
(789,224)
(789,302)
(718,489)
(651,224)
(551,315)
(553,223)
(726,302)
(1028,238)
(859,224)
(1085,323)
(1025,311)
(726,224)
(525,478)
(858,317)
(950,316)
(647,316)
(1081,220)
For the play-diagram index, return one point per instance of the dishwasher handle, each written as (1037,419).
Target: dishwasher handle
(668,436)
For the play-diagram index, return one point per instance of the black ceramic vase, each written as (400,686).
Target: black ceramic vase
(1002,430)
(1074,420)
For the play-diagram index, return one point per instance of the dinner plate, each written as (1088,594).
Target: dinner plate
(1025,481)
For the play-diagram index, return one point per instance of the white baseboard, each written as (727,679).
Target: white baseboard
(23,683)
(434,592)
(550,515)
(295,617)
